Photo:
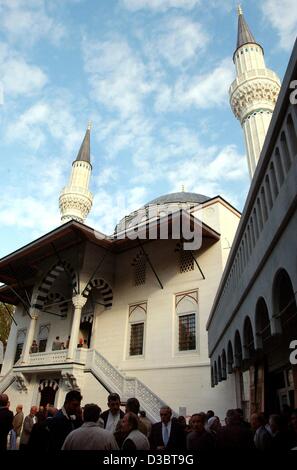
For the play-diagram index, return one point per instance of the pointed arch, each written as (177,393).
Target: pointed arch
(262,322)
(248,339)
(284,301)
(215,373)
(48,282)
(103,287)
(237,349)
(219,369)
(55,297)
(224,365)
(230,357)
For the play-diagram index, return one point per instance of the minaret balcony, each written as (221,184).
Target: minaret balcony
(251,74)
(76,190)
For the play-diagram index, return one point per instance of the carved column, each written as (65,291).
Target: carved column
(78,302)
(30,337)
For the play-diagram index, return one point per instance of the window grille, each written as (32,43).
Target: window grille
(186,261)
(136,339)
(140,270)
(187,332)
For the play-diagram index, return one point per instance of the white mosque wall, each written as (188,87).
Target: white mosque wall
(180,378)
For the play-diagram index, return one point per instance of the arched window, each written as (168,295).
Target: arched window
(137,320)
(186,306)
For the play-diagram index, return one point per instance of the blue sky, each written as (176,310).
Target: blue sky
(152,75)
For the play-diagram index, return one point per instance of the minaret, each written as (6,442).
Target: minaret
(253,93)
(76,200)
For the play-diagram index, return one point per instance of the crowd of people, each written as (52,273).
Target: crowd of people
(76,428)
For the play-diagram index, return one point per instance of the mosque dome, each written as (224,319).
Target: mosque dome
(180,197)
(168,202)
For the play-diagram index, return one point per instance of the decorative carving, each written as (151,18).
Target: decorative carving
(129,388)
(79,301)
(255,90)
(113,376)
(52,357)
(80,202)
(69,381)
(148,399)
(21,382)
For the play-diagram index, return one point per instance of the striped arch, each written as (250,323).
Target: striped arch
(48,383)
(104,289)
(55,297)
(49,279)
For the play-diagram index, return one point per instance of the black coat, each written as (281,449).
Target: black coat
(177,438)
(6,418)
(59,428)
(104,416)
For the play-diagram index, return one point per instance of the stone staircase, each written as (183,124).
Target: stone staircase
(115,381)
(6,381)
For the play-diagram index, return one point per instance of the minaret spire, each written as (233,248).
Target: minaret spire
(244,34)
(76,199)
(254,92)
(84,151)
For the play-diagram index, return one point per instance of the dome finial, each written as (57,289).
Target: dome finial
(239,10)
(90,124)
(183,188)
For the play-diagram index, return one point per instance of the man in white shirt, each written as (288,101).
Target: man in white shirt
(112,416)
(90,436)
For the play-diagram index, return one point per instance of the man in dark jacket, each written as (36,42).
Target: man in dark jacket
(235,435)
(112,416)
(66,420)
(6,419)
(167,434)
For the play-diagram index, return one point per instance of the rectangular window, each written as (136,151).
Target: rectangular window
(136,339)
(187,332)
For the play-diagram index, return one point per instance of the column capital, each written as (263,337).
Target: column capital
(34,314)
(79,301)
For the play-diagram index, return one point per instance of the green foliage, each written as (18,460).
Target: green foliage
(5,322)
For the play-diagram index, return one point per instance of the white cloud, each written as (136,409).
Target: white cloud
(29,21)
(179,40)
(19,77)
(282,14)
(118,77)
(28,212)
(212,175)
(202,91)
(106,176)
(159,5)
(108,209)
(53,116)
